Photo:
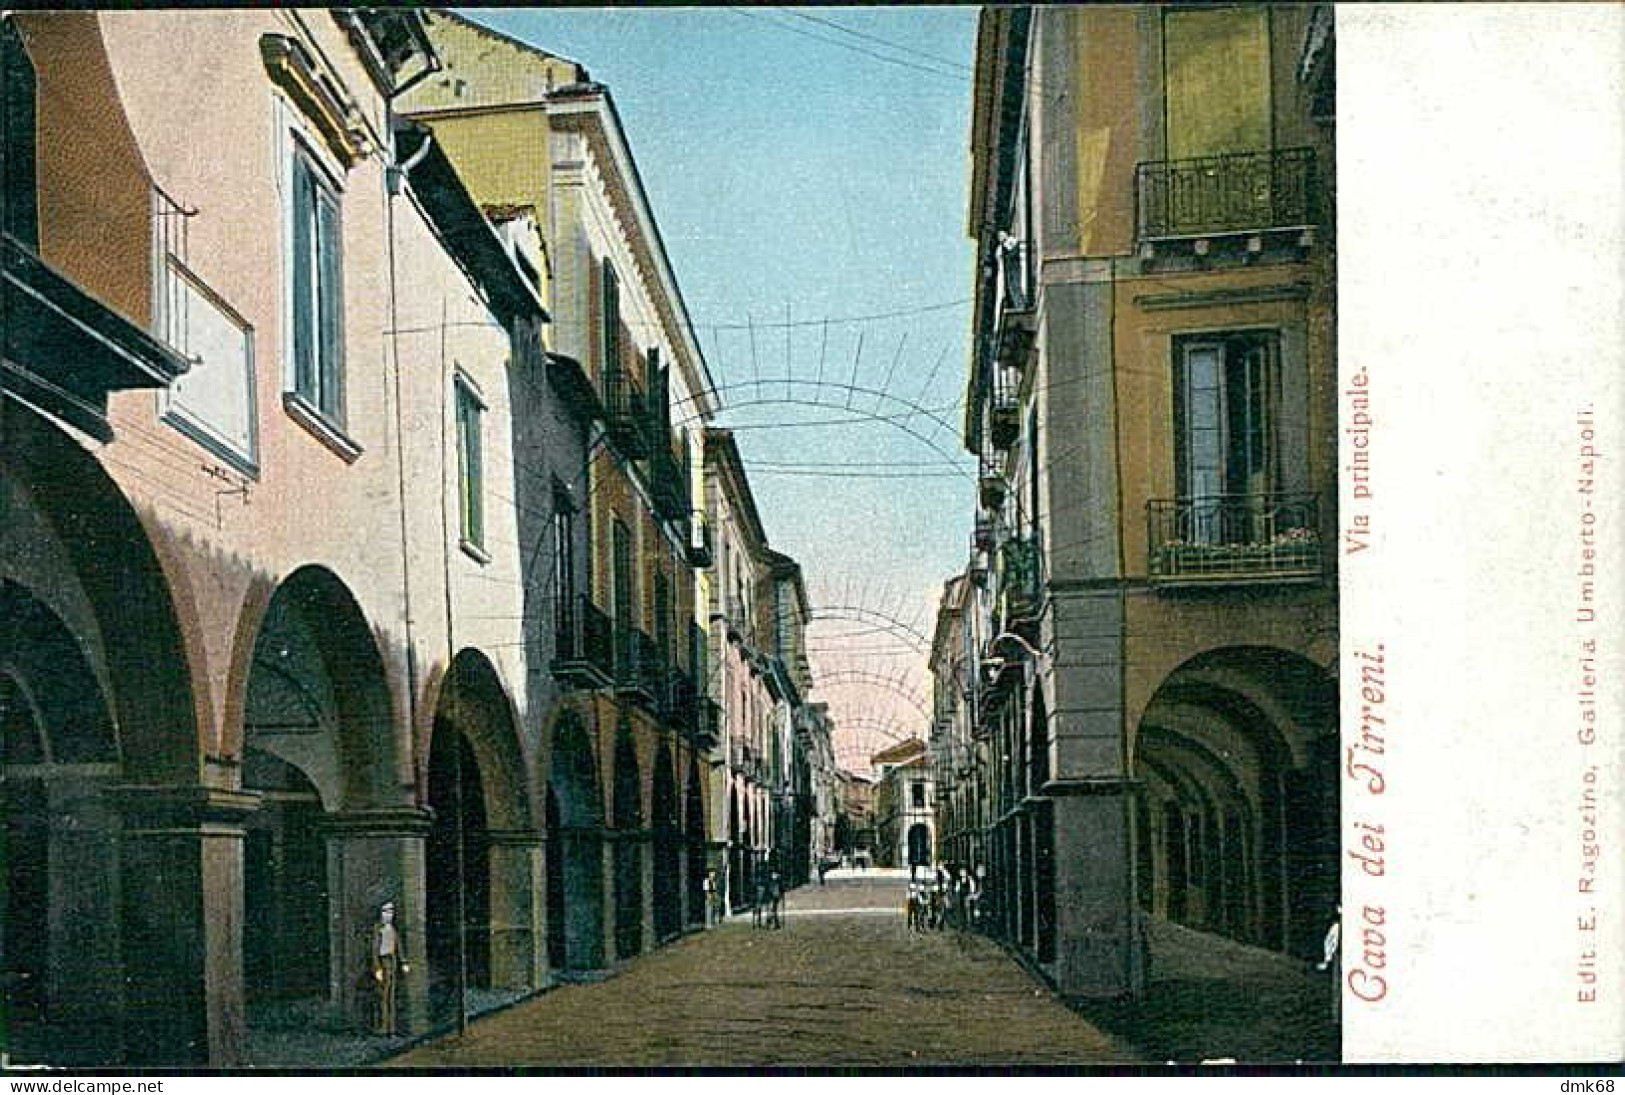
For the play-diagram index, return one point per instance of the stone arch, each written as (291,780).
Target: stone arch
(318,696)
(476,902)
(58,835)
(575,859)
(321,749)
(666,821)
(56,492)
(737,887)
(1236,753)
(696,836)
(919,845)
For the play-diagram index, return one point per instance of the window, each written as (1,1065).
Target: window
(318,292)
(1216,68)
(662,598)
(1226,417)
(609,334)
(470,464)
(620,577)
(564,556)
(917,795)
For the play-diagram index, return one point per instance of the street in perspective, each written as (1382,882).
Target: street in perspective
(665,538)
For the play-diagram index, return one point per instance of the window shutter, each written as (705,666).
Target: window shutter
(304,288)
(330,377)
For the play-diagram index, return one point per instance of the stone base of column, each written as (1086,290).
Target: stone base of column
(374,856)
(1099,938)
(181,912)
(518,901)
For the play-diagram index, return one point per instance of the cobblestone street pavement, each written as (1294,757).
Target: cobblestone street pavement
(842,984)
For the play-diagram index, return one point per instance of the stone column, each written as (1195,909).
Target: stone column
(1096,924)
(644,849)
(85,986)
(518,909)
(181,913)
(375,856)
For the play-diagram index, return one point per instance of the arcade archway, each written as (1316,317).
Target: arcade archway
(668,837)
(1236,759)
(575,858)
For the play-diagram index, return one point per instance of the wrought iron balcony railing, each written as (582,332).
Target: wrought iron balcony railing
(1234,538)
(63,351)
(668,476)
(1004,406)
(709,731)
(700,555)
(1021,582)
(1235,193)
(638,666)
(584,651)
(680,703)
(626,412)
(1017,319)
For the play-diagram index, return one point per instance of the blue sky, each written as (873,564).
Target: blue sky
(794,173)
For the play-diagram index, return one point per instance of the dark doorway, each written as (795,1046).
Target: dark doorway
(668,891)
(919,845)
(285,945)
(629,846)
(694,831)
(457,879)
(555,884)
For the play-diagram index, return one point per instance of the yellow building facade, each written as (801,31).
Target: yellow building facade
(1152,402)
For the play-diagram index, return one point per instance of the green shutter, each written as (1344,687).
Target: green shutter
(330,373)
(304,288)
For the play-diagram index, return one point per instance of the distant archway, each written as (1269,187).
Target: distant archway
(668,890)
(57,839)
(694,832)
(575,819)
(629,845)
(919,845)
(1236,754)
(318,739)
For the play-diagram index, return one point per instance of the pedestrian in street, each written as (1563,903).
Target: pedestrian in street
(388,952)
(973,898)
(1332,959)
(776,897)
(759,899)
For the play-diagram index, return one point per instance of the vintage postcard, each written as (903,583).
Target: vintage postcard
(1009,537)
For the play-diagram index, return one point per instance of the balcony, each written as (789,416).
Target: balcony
(1004,407)
(708,729)
(63,351)
(700,555)
(1239,194)
(1018,315)
(991,487)
(679,702)
(1021,585)
(584,654)
(626,413)
(1234,539)
(639,672)
(985,535)
(668,476)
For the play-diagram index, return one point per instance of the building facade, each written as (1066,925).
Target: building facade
(348,553)
(634,743)
(905,806)
(1151,399)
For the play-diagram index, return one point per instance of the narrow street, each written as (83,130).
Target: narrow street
(844,983)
